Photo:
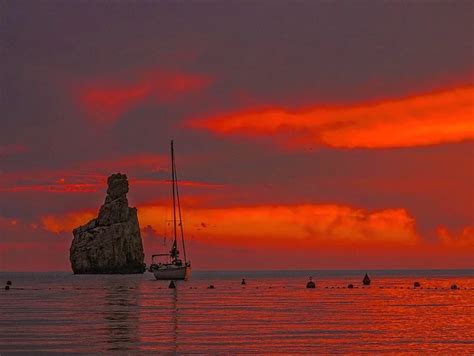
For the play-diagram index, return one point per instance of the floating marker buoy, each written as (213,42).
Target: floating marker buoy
(453,287)
(9,283)
(172,285)
(417,285)
(7,287)
(350,286)
(366,280)
(310,284)
(211,286)
(243,282)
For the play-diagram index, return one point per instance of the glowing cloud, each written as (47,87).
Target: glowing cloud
(299,224)
(84,177)
(105,102)
(66,223)
(462,239)
(425,119)
(337,236)
(331,225)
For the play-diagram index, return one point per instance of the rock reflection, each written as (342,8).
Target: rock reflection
(121,317)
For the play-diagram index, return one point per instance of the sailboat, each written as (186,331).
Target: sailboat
(174,268)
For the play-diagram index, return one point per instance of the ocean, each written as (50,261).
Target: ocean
(273,313)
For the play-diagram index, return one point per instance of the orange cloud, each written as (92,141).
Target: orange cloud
(67,222)
(306,224)
(426,119)
(105,102)
(461,239)
(86,177)
(61,187)
(323,236)
(316,225)
(54,188)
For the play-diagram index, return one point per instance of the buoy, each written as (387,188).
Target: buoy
(350,286)
(454,287)
(243,282)
(7,287)
(9,283)
(310,284)
(366,280)
(211,286)
(172,285)
(417,285)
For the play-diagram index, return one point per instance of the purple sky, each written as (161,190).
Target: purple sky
(89,87)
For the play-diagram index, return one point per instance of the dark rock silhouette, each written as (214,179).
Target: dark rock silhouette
(9,283)
(417,285)
(310,284)
(243,282)
(366,280)
(350,286)
(454,286)
(111,243)
(172,285)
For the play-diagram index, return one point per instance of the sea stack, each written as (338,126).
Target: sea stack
(110,243)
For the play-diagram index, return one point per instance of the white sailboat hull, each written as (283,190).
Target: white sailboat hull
(172,272)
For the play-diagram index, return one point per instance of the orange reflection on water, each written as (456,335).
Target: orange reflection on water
(280,315)
(273,313)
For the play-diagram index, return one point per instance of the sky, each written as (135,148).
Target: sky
(308,134)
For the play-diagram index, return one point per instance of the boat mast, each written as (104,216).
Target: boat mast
(179,212)
(174,250)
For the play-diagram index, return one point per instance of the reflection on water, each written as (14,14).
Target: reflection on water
(273,313)
(174,316)
(121,315)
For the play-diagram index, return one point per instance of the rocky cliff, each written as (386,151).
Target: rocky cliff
(111,243)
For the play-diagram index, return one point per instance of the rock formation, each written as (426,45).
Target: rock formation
(111,243)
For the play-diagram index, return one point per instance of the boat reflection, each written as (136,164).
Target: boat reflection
(174,321)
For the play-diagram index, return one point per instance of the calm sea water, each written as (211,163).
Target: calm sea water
(273,313)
